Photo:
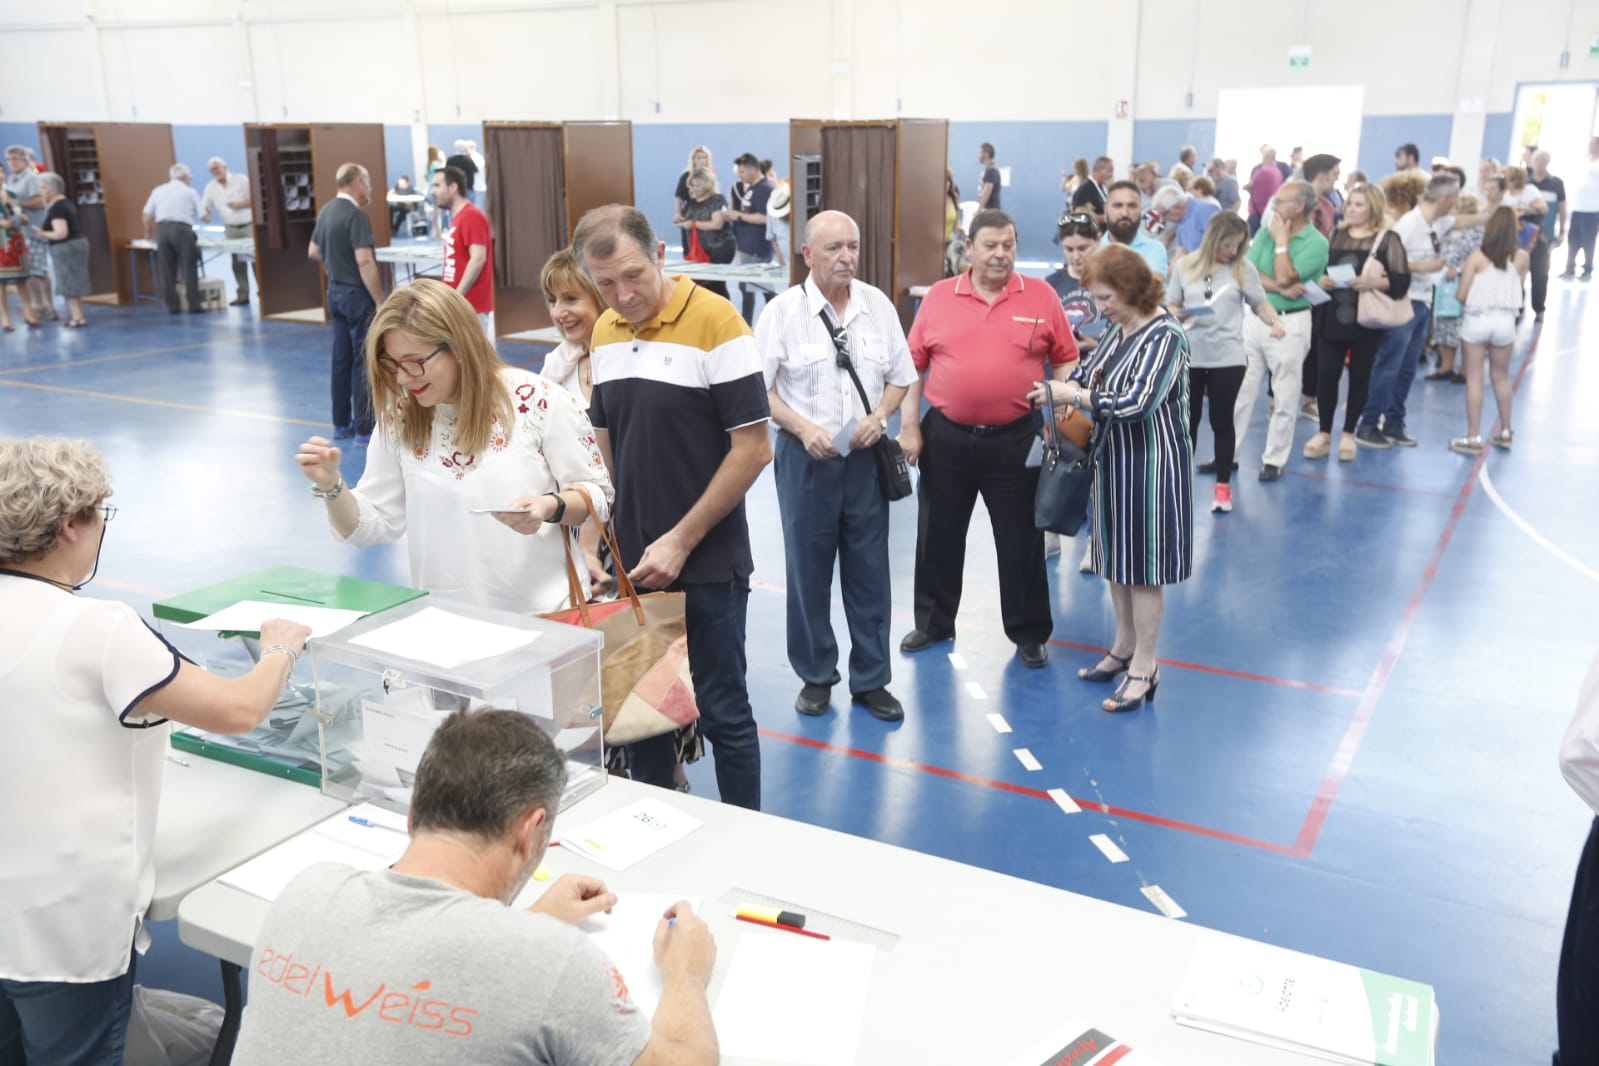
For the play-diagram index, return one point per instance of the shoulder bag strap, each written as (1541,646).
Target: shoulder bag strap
(575,584)
(840,339)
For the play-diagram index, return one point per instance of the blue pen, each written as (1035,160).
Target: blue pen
(363,821)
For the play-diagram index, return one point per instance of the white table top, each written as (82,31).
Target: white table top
(994,962)
(215,816)
(765,273)
(411,252)
(234,245)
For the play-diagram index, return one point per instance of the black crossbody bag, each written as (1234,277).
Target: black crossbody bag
(893,473)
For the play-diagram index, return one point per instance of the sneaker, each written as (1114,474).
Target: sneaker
(1222,502)
(1372,437)
(1466,445)
(1396,433)
(1308,410)
(1087,565)
(1051,544)
(1271,473)
(1567,275)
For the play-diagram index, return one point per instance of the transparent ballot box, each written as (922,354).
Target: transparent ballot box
(384,684)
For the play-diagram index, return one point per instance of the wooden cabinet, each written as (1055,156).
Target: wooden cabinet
(110,169)
(293,175)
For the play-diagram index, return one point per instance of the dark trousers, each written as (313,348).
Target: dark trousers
(1307,369)
(177,249)
(66,1024)
(1394,369)
(1538,255)
(957,465)
(832,510)
(1580,237)
(1577,986)
(714,615)
(351,309)
(1222,385)
(1362,351)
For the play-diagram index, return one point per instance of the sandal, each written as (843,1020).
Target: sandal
(1318,447)
(1346,448)
(33,323)
(1504,439)
(1466,445)
(1098,676)
(1117,702)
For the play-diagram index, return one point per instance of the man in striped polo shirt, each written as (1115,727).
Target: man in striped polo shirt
(680,411)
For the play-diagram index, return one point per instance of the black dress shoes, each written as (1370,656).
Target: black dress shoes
(916,640)
(1032,655)
(882,704)
(813,700)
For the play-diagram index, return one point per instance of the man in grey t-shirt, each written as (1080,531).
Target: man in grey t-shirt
(342,242)
(425,962)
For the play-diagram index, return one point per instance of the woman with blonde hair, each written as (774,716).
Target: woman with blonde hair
(458,431)
(1490,290)
(704,220)
(1355,240)
(1217,281)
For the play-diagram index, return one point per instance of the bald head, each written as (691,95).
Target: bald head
(824,224)
(832,250)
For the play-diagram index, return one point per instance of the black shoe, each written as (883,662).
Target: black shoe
(813,699)
(1271,473)
(1033,656)
(1372,437)
(1209,467)
(1457,378)
(1395,432)
(1567,275)
(1440,375)
(916,641)
(243,301)
(882,704)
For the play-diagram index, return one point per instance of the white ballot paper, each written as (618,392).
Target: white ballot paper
(1342,275)
(623,837)
(246,616)
(845,435)
(791,999)
(444,638)
(627,936)
(1315,294)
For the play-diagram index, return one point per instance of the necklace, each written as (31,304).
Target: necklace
(585,372)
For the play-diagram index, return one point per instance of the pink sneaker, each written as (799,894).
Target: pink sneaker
(1223,500)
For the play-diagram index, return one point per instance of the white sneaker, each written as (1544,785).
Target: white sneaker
(1087,565)
(1051,544)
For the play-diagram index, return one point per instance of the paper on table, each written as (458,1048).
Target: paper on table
(443,638)
(1315,294)
(246,616)
(1342,274)
(375,847)
(845,435)
(627,936)
(623,837)
(791,999)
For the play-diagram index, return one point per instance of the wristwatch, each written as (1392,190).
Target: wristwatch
(560,508)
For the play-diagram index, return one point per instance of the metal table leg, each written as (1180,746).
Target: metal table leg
(232,1012)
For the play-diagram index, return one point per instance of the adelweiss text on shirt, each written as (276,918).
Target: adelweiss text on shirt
(413,1004)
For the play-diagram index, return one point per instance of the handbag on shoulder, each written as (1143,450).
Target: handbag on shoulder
(1378,310)
(893,472)
(1066,476)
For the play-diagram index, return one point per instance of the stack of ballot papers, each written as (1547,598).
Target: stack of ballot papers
(623,837)
(795,1000)
(364,836)
(1076,1043)
(1327,1009)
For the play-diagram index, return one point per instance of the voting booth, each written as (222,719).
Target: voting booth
(384,684)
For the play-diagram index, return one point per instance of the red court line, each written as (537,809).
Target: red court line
(1023,790)
(1344,758)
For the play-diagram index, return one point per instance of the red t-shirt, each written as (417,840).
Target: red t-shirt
(469,226)
(982,358)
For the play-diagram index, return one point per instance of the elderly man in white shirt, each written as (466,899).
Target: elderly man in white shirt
(827,486)
(227,200)
(170,215)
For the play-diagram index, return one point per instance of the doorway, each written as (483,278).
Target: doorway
(1559,117)
(1248,118)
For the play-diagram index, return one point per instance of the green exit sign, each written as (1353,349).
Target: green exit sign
(1299,57)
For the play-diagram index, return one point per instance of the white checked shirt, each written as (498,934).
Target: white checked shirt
(799,359)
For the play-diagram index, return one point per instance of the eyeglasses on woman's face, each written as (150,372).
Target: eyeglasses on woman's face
(410,368)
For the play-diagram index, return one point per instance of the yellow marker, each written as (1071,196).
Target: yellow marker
(541,874)
(771,914)
(594,843)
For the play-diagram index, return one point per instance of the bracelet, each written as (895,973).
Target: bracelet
(329,494)
(560,508)
(293,655)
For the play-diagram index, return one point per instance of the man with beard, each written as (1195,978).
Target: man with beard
(1124,225)
(468,977)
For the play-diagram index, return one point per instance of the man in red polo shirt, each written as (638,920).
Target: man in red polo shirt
(468,247)
(982,339)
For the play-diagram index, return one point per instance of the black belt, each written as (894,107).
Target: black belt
(987,431)
(174,222)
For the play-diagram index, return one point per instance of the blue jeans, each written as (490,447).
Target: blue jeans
(351,309)
(1395,368)
(65,1024)
(715,617)
(833,510)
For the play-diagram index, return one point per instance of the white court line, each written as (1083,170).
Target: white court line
(1025,757)
(999,723)
(1167,906)
(1064,801)
(957,660)
(1108,846)
(975,690)
(1538,538)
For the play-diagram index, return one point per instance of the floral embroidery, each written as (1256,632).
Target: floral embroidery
(499,439)
(458,463)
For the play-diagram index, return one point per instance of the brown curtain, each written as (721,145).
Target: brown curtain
(858,179)
(528,181)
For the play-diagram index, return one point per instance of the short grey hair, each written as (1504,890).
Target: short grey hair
(482,771)
(601,227)
(52,181)
(1440,186)
(1305,191)
(17,149)
(178,171)
(1167,197)
(43,482)
(215,161)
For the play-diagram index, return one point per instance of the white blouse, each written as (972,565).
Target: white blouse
(428,496)
(563,366)
(80,778)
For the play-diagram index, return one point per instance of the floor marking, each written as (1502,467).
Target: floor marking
(1064,802)
(252,415)
(1025,757)
(1164,903)
(1526,527)
(975,691)
(957,660)
(75,363)
(1108,847)
(999,723)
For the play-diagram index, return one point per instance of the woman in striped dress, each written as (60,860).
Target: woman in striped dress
(1135,386)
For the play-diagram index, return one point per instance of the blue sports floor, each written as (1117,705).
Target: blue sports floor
(1364,685)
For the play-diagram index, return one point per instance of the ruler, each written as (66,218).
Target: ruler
(815,920)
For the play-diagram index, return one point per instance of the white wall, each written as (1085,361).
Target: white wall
(183,61)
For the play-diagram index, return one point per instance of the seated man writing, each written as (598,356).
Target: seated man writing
(426,962)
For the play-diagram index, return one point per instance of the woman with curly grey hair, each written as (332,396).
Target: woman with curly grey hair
(86,689)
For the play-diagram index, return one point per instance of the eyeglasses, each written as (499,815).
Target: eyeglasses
(840,338)
(410,367)
(109,510)
(1207,287)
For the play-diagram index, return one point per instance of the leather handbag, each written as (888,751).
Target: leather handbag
(893,472)
(1066,476)
(646,688)
(1378,310)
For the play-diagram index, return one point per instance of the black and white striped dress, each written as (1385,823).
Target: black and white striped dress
(1143,510)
